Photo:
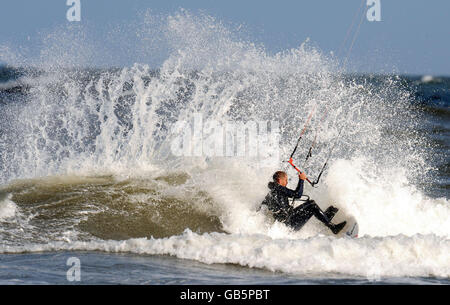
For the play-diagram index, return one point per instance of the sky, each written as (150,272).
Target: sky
(413,36)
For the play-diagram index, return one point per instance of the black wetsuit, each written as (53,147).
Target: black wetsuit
(277,201)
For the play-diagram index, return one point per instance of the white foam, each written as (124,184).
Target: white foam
(418,255)
(384,205)
(7,207)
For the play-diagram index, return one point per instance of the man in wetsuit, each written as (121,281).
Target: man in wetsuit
(277,201)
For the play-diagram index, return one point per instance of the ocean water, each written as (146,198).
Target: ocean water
(88,167)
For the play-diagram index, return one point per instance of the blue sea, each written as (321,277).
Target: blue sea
(106,170)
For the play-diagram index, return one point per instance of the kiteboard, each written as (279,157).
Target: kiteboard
(351,229)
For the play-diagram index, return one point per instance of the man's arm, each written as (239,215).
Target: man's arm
(297,193)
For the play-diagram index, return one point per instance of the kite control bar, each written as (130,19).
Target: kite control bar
(291,162)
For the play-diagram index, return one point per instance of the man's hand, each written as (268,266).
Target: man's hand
(302,175)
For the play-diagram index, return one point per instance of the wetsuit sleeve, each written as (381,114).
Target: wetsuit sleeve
(297,193)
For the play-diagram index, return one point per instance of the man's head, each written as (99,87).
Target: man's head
(281,178)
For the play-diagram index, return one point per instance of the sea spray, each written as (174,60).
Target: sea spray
(111,130)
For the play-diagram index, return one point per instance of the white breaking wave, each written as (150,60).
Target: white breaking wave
(395,256)
(381,207)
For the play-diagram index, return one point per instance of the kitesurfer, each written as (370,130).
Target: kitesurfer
(277,201)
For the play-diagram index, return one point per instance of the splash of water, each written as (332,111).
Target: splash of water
(81,121)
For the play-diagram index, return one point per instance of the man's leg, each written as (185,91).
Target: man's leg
(304,212)
(331,211)
(301,215)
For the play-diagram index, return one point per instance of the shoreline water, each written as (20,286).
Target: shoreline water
(99,268)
